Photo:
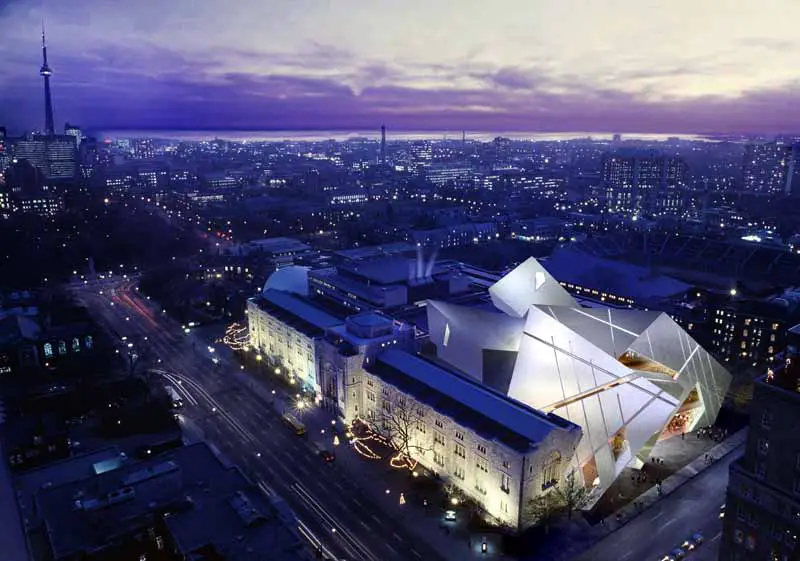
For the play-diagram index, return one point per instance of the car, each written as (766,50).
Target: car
(327,455)
(677,553)
(692,542)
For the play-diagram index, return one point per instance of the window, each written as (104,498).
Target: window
(438,438)
(766,419)
(506,464)
(385,392)
(88,342)
(439,424)
(370,383)
(370,396)
(505,483)
(48,350)
(421,428)
(481,448)
(438,459)
(504,507)
(482,464)
(459,472)
(761,469)
(461,452)
(552,468)
(459,435)
(480,488)
(62,347)
(763,446)
(738,536)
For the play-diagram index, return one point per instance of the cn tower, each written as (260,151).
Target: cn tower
(49,127)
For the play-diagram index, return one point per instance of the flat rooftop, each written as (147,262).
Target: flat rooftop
(371,252)
(393,269)
(469,403)
(87,515)
(297,312)
(279,245)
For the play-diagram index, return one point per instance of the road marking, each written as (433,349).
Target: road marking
(626,555)
(657,516)
(718,536)
(416,553)
(668,522)
(398,538)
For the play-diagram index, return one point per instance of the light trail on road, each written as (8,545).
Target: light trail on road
(247,428)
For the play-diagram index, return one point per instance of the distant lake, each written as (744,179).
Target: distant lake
(315,136)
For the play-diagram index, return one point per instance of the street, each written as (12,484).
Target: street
(694,507)
(333,511)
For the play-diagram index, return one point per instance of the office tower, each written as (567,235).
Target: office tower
(72,130)
(55,155)
(643,182)
(46,72)
(143,149)
(762,511)
(766,169)
(5,157)
(383,144)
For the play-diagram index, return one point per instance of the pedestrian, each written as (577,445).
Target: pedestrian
(683,436)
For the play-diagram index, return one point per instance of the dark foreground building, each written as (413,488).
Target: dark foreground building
(762,520)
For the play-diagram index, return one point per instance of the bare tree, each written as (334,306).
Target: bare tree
(572,493)
(402,422)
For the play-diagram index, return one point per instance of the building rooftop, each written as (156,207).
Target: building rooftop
(104,510)
(469,403)
(297,312)
(395,269)
(370,252)
(278,245)
(570,265)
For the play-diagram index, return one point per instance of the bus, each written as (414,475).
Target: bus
(176,400)
(298,427)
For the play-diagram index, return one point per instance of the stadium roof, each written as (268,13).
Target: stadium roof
(569,265)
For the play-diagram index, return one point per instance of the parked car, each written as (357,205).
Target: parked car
(327,455)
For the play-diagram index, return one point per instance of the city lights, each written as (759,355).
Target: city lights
(237,337)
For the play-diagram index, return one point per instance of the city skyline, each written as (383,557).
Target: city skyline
(684,67)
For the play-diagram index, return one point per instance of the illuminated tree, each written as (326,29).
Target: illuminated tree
(402,423)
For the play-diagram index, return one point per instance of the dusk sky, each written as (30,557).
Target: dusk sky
(528,65)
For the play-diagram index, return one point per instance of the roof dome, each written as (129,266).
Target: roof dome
(289,279)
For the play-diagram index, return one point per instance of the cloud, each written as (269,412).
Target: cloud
(303,63)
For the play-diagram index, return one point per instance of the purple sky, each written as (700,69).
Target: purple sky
(535,65)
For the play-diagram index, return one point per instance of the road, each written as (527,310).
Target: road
(333,511)
(664,525)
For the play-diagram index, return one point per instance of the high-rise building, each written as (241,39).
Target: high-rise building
(54,155)
(143,149)
(46,72)
(72,130)
(767,168)
(643,182)
(383,144)
(762,510)
(5,152)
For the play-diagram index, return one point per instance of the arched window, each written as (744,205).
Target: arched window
(62,347)
(89,342)
(76,345)
(552,468)
(48,350)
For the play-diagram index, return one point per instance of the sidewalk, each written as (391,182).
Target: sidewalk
(672,483)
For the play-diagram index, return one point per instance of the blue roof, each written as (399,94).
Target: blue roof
(470,403)
(300,308)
